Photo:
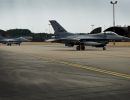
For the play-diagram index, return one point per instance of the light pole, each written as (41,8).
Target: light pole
(92,27)
(113,3)
(49,28)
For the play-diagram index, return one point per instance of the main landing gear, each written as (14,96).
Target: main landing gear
(80,47)
(9,44)
(104,48)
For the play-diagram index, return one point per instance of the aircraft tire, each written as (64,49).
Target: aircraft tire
(82,47)
(78,48)
(104,48)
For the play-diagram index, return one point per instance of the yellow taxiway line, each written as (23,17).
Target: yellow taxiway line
(122,75)
(127,76)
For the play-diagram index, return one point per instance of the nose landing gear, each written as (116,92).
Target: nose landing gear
(104,48)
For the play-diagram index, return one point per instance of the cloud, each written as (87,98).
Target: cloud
(75,15)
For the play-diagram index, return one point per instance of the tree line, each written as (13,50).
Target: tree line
(25,33)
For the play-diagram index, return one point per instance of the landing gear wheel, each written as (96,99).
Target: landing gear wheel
(82,47)
(78,48)
(8,44)
(104,48)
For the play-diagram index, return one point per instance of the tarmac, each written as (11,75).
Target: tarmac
(49,71)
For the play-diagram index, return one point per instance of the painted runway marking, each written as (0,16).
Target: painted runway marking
(122,75)
(97,69)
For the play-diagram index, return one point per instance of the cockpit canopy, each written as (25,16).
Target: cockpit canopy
(109,33)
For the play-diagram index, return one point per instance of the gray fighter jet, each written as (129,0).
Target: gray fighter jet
(70,39)
(10,41)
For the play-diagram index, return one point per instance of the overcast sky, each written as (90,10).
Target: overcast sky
(74,15)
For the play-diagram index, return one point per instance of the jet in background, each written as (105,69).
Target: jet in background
(10,41)
(99,40)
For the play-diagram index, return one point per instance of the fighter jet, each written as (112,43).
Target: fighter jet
(10,41)
(99,40)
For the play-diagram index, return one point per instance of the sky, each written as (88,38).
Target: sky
(73,15)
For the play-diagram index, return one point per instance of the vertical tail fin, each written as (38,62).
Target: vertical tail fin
(57,27)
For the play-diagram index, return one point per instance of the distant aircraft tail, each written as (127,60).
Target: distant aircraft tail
(57,27)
